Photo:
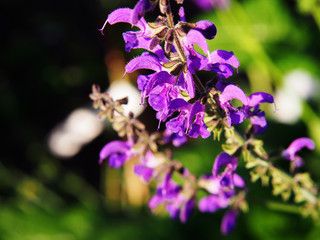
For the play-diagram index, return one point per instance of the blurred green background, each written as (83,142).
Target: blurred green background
(51,55)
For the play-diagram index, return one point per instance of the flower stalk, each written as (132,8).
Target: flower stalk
(190,107)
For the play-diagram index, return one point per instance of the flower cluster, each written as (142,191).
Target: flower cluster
(174,86)
(190,107)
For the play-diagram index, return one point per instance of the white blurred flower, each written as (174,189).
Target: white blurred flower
(121,89)
(298,86)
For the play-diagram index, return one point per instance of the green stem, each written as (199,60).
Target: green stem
(286,177)
(283,207)
(309,196)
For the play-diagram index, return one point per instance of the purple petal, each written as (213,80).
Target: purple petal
(204,4)
(186,210)
(179,105)
(144,172)
(259,123)
(116,160)
(196,121)
(124,15)
(233,92)
(229,221)
(210,4)
(176,139)
(158,98)
(221,85)
(159,78)
(259,97)
(238,181)
(134,40)
(140,9)
(173,210)
(198,61)
(196,108)
(222,56)
(120,15)
(113,147)
(144,62)
(212,203)
(189,84)
(207,28)
(222,160)
(236,118)
(182,15)
(297,145)
(155,201)
(142,81)
(198,129)
(176,125)
(223,70)
(196,37)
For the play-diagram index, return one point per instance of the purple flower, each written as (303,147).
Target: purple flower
(145,61)
(234,115)
(220,184)
(197,126)
(252,110)
(190,119)
(181,207)
(176,139)
(179,124)
(223,62)
(148,163)
(229,221)
(226,177)
(213,203)
(182,14)
(207,28)
(294,147)
(118,152)
(161,90)
(144,172)
(259,122)
(176,201)
(219,61)
(221,188)
(133,39)
(195,37)
(255,99)
(166,191)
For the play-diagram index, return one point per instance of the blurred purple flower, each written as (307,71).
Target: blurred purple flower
(176,139)
(210,4)
(144,172)
(213,203)
(176,202)
(148,163)
(229,221)
(294,147)
(118,152)
(220,184)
